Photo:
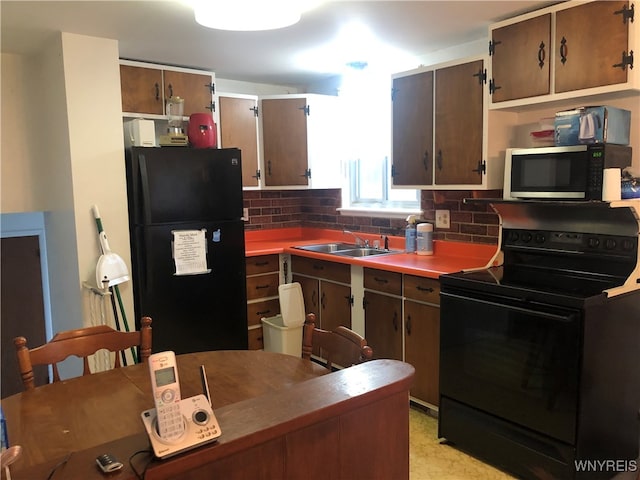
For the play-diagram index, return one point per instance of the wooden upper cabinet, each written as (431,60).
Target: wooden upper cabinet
(459,93)
(239,128)
(590,41)
(412,149)
(284,137)
(194,88)
(520,59)
(141,90)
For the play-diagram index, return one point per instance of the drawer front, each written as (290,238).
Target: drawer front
(256,341)
(383,281)
(266,308)
(422,289)
(262,264)
(262,286)
(337,272)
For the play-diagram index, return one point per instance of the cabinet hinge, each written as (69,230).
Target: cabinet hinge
(255,111)
(350,300)
(492,47)
(627,60)
(364,303)
(307,173)
(393,171)
(306,109)
(257,175)
(393,93)
(482,76)
(212,87)
(493,87)
(482,167)
(211,106)
(627,13)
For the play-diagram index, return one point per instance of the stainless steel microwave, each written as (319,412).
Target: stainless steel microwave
(561,173)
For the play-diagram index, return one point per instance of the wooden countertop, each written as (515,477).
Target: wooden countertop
(448,257)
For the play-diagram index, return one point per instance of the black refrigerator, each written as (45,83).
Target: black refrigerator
(187,246)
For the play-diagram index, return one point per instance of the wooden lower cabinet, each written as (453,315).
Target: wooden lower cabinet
(326,288)
(422,349)
(422,335)
(383,325)
(263,279)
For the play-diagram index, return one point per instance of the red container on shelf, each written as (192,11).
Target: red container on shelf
(202,131)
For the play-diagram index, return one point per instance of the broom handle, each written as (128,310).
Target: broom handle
(115,317)
(124,319)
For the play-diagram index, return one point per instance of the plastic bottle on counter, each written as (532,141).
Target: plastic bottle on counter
(410,234)
(424,239)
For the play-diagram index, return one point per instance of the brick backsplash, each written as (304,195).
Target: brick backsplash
(476,223)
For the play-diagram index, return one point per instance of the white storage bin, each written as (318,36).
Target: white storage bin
(283,333)
(280,338)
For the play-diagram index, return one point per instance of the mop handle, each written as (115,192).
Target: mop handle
(96,215)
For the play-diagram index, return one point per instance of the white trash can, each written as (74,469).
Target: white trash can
(283,333)
(281,339)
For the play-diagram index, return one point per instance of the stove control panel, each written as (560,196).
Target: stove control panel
(570,242)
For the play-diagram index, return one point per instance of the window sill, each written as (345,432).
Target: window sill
(380,212)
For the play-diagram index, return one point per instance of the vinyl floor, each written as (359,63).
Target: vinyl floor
(431,460)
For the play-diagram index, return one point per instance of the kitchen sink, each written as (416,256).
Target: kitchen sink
(345,249)
(365,252)
(327,247)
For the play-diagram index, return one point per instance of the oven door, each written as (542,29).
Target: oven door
(511,358)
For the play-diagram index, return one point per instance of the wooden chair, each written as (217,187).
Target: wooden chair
(81,343)
(341,346)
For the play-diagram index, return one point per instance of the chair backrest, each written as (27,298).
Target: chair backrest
(341,346)
(81,343)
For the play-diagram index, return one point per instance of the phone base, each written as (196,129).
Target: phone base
(201,427)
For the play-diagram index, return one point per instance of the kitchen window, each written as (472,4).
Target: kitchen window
(366,129)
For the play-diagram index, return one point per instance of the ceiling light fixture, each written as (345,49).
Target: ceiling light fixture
(249,15)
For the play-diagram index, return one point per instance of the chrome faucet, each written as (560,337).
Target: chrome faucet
(359,241)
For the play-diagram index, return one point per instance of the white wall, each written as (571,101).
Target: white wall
(62,152)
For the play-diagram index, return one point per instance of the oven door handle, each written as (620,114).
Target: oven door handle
(566,318)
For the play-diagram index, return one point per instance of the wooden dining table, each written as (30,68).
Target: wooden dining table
(66,424)
(53,420)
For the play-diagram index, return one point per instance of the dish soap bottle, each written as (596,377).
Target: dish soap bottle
(410,234)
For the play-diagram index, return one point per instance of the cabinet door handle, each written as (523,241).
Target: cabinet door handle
(381,280)
(425,289)
(627,13)
(395,321)
(317,267)
(627,60)
(563,50)
(439,160)
(408,325)
(261,264)
(541,55)
(157,91)
(314,298)
(170,90)
(262,287)
(262,313)
(269,168)
(323,301)
(425,160)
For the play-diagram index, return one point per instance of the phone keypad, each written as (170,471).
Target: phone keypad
(170,421)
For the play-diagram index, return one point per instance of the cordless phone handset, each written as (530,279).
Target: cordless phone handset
(166,395)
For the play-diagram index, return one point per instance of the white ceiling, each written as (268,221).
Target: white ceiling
(166,32)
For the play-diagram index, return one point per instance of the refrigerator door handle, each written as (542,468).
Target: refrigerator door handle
(144,184)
